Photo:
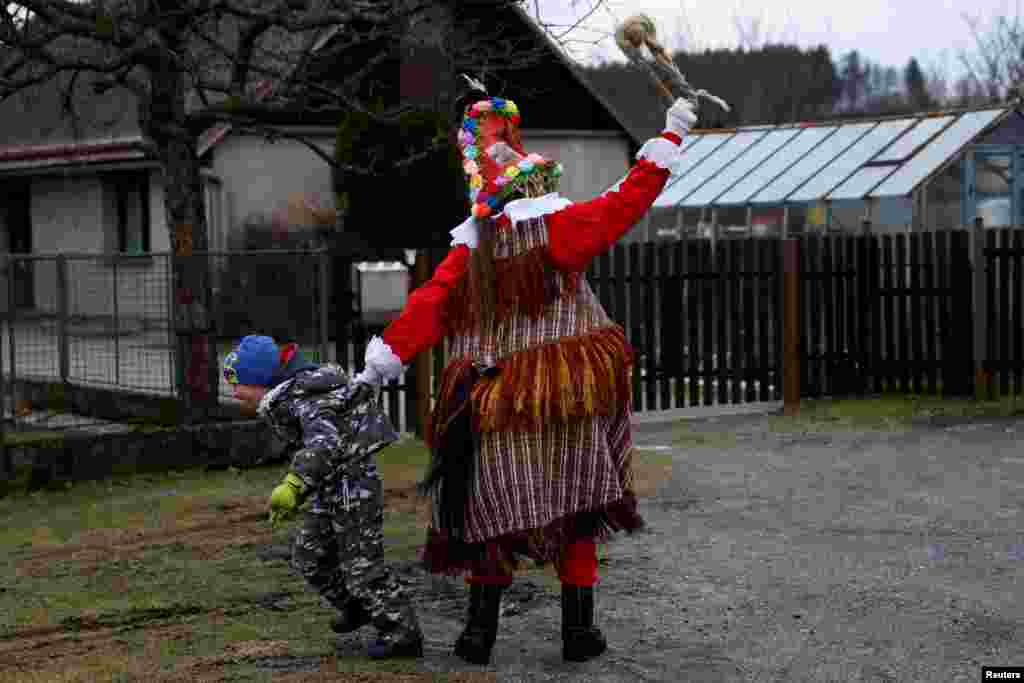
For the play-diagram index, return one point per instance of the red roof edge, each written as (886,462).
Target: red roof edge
(67,151)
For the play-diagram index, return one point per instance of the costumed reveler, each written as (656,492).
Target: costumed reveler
(530,434)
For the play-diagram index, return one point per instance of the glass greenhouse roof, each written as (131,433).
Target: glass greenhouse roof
(814,162)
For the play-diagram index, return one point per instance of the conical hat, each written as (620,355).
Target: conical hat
(494,161)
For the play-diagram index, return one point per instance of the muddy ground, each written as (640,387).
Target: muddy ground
(776,551)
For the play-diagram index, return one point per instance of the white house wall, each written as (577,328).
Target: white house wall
(593,162)
(75,216)
(258,176)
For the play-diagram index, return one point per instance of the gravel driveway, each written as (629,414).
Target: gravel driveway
(802,556)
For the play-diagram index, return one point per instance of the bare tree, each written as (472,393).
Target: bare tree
(938,81)
(996,64)
(175,57)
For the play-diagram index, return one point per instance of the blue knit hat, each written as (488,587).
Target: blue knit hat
(256,361)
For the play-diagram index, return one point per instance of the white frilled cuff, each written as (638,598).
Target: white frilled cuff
(465,234)
(381,358)
(664,153)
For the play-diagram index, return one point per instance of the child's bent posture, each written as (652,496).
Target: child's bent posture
(339,548)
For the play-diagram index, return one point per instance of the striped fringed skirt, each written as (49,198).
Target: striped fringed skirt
(533,490)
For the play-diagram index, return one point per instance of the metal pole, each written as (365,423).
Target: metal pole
(172,354)
(12,307)
(117,327)
(324,299)
(785,221)
(869,205)
(5,458)
(62,318)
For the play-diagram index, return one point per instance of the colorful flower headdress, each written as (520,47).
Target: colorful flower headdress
(493,156)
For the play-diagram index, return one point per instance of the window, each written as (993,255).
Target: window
(129,192)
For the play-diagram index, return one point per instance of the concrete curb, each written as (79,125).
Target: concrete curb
(705,412)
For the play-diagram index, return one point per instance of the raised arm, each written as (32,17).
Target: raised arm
(421,323)
(579,232)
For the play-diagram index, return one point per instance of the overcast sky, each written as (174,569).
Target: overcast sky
(888,32)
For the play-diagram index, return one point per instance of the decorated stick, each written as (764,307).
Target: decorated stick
(638,31)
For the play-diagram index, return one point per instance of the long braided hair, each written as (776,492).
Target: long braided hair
(483,281)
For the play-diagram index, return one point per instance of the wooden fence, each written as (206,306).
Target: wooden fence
(886,313)
(704,320)
(891,313)
(1003,360)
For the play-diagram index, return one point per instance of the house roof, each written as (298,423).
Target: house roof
(217,132)
(822,161)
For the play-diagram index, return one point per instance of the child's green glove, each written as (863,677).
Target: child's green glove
(286,498)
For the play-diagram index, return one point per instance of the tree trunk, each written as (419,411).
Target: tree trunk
(183,200)
(164,119)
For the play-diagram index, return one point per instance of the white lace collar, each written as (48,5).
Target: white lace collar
(535,207)
(518,210)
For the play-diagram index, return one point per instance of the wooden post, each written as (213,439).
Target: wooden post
(979,306)
(422,363)
(791,326)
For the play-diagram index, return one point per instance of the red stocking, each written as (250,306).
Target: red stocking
(577,565)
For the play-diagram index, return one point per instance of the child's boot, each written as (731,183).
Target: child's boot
(351,617)
(477,639)
(399,637)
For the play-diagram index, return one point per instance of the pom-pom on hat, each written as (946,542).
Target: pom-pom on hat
(256,362)
(493,157)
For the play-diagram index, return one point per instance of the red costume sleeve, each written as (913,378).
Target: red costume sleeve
(578,233)
(422,322)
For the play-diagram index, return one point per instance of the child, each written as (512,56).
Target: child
(339,548)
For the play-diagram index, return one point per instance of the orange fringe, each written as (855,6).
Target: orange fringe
(527,284)
(574,377)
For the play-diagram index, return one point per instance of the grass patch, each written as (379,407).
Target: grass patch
(685,436)
(42,438)
(120,562)
(890,412)
(178,576)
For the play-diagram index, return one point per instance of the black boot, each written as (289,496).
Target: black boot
(477,639)
(581,640)
(400,635)
(352,617)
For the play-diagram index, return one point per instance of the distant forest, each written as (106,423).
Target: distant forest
(780,84)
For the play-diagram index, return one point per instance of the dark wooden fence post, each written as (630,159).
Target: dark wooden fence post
(791,325)
(979,305)
(422,363)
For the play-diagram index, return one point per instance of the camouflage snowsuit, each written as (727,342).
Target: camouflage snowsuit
(340,547)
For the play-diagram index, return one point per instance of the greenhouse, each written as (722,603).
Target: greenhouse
(930,171)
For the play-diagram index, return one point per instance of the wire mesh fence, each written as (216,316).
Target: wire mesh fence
(108,322)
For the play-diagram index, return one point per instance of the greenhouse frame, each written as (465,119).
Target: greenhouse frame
(910,173)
